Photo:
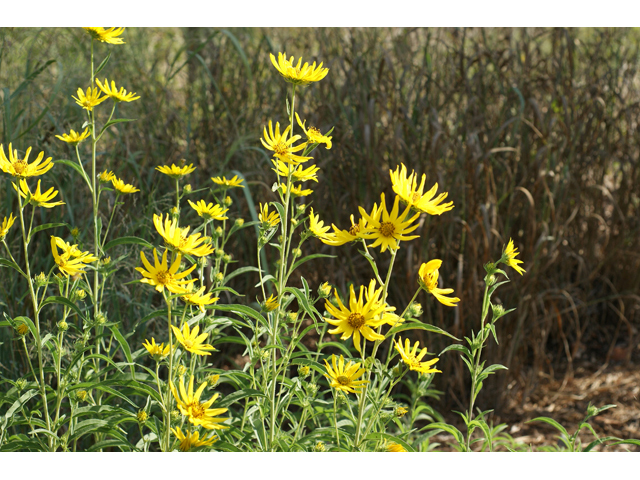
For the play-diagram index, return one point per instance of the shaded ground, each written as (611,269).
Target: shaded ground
(566,400)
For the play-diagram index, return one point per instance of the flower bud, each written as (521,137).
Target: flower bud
(280,238)
(202,262)
(239,222)
(304,371)
(75,231)
(21,384)
(175,415)
(498,310)
(22,329)
(312,389)
(181,370)
(101,318)
(142,417)
(319,447)
(397,371)
(227,201)
(187,189)
(226,258)
(490,280)
(400,412)
(213,380)
(82,395)
(41,280)
(292,317)
(63,326)
(415,309)
(218,253)
(106,261)
(219,231)
(324,290)
(300,208)
(80,294)
(295,222)
(219,277)
(296,253)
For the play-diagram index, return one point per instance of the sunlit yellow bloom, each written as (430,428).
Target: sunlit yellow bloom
(409,357)
(270,303)
(37,198)
(106,35)
(411,194)
(157,351)
(177,238)
(176,172)
(160,276)
(192,439)
(340,237)
(296,190)
(428,279)
(343,377)
(191,341)
(389,229)
(298,75)
(123,188)
(297,174)
(106,176)
(282,146)
(313,134)
(209,211)
(20,167)
(395,447)
(66,264)
(89,100)
(270,219)
(234,182)
(74,137)
(316,226)
(72,251)
(200,300)
(509,257)
(7,223)
(118,95)
(359,318)
(198,413)
(386,315)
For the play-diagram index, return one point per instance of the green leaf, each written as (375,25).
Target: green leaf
(102,64)
(447,428)
(552,422)
(309,257)
(76,167)
(243,309)
(113,122)
(457,348)
(88,426)
(62,301)
(125,348)
(240,271)
(418,326)
(8,263)
(236,396)
(337,345)
(45,227)
(127,241)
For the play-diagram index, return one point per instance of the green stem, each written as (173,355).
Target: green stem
(168,406)
(113,211)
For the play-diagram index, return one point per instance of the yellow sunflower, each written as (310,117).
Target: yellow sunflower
(209,211)
(389,228)
(270,304)
(161,276)
(344,378)
(123,188)
(90,99)
(37,198)
(68,264)
(296,190)
(7,223)
(177,238)
(316,226)
(106,35)
(313,134)
(200,300)
(73,138)
(268,219)
(395,447)
(198,413)
(359,318)
(21,168)
(192,439)
(176,172)
(355,232)
(191,341)
(298,75)
(157,351)
(428,279)
(73,251)
(410,358)
(117,95)
(282,146)
(234,182)
(297,174)
(411,194)
(509,257)
(106,176)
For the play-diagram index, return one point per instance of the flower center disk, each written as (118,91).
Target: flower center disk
(387,229)
(356,321)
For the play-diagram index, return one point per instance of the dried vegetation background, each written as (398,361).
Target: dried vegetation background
(533,132)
